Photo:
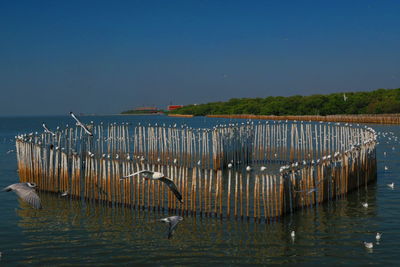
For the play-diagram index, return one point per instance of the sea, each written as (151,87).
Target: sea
(69,232)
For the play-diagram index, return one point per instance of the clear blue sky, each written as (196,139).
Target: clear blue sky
(109,56)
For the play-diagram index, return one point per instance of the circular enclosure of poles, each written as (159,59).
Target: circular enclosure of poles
(243,170)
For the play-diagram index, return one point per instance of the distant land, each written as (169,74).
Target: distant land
(150,110)
(380,101)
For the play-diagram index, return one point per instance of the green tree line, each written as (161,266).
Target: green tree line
(375,102)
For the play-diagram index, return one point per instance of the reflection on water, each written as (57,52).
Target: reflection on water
(103,235)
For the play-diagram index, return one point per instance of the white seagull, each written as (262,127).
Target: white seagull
(378,236)
(293,234)
(160,177)
(46,130)
(369,245)
(364,204)
(79,123)
(27,192)
(391,185)
(173,222)
(263,168)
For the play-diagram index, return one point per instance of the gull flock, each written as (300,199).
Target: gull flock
(27,192)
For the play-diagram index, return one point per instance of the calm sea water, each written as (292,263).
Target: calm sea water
(70,232)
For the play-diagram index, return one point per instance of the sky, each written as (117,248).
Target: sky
(104,57)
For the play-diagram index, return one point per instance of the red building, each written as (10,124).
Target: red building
(173,107)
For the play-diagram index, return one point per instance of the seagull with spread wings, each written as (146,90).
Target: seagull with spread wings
(79,123)
(160,177)
(173,223)
(27,192)
(46,130)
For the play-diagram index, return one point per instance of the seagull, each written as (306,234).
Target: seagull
(46,130)
(173,222)
(378,236)
(161,177)
(263,168)
(364,204)
(26,191)
(386,168)
(293,234)
(64,194)
(368,245)
(79,123)
(391,185)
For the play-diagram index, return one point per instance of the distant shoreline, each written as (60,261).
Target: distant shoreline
(351,118)
(140,114)
(357,118)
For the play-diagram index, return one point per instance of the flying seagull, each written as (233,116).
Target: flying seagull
(160,177)
(173,222)
(46,130)
(26,191)
(79,123)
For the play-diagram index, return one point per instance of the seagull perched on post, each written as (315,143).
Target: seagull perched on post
(79,123)
(160,177)
(173,222)
(46,130)
(27,192)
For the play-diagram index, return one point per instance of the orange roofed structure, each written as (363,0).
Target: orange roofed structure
(173,107)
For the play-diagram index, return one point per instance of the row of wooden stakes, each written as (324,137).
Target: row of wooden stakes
(206,192)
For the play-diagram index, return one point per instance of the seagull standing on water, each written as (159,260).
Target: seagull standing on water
(293,234)
(173,222)
(369,245)
(79,123)
(160,177)
(378,236)
(27,192)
